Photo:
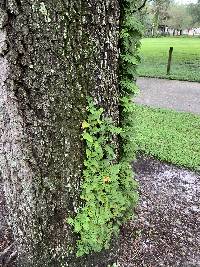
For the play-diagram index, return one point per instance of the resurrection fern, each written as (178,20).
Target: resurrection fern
(130,36)
(109,192)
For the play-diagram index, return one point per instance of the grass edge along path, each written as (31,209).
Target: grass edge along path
(168,135)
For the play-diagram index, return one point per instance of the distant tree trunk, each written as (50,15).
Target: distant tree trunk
(53,54)
(156,24)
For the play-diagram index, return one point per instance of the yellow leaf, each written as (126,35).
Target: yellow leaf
(106,179)
(85,124)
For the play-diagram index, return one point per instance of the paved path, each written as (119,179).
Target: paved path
(178,95)
(166,232)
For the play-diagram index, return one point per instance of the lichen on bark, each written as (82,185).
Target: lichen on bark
(55,53)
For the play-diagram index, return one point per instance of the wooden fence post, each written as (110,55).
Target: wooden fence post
(169,60)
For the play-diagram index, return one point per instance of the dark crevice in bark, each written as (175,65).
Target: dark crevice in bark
(19,5)
(3,4)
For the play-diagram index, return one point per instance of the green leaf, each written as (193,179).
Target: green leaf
(88,137)
(70,221)
(88,152)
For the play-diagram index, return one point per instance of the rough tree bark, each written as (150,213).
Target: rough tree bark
(52,55)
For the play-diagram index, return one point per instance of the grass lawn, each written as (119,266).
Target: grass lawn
(185,61)
(168,135)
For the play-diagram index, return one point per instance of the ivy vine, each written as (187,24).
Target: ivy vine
(109,192)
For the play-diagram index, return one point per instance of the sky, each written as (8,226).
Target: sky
(186,1)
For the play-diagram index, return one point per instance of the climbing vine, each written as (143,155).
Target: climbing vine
(108,189)
(109,192)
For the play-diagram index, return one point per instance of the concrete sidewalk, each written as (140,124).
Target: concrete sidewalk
(177,95)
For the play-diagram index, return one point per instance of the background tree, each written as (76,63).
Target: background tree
(179,18)
(169,14)
(194,10)
(54,55)
(160,13)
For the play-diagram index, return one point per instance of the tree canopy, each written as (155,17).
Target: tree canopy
(194,10)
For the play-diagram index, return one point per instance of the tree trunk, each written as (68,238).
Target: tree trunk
(53,54)
(156,23)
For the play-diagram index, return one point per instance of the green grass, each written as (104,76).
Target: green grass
(168,135)
(185,62)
